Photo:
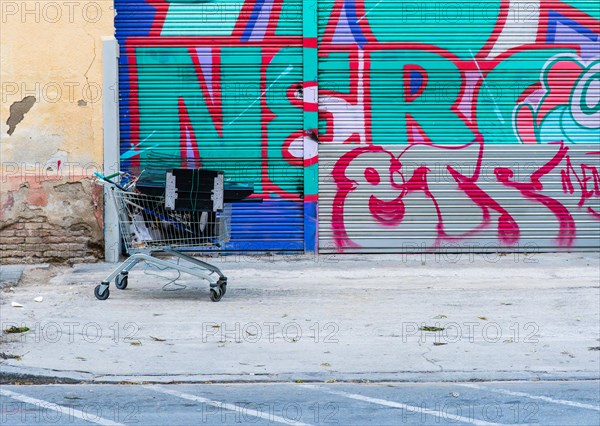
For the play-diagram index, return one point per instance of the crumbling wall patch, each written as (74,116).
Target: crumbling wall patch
(65,230)
(17,112)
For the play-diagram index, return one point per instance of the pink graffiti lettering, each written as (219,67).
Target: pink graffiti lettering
(588,183)
(392,183)
(532,189)
(508,229)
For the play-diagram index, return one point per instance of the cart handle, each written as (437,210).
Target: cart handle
(109,179)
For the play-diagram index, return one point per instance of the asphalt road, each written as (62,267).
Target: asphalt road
(490,403)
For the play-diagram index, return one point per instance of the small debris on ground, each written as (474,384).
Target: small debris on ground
(431,329)
(9,356)
(16,305)
(14,329)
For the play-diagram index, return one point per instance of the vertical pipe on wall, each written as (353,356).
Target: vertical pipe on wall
(110,118)
(311,123)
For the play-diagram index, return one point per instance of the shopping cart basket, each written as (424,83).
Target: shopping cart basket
(150,232)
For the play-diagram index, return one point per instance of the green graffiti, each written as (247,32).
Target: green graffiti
(166,75)
(589,89)
(284,72)
(432,109)
(556,118)
(499,93)
(334,76)
(459,27)
(559,126)
(325,8)
(206,18)
(201,18)
(290,19)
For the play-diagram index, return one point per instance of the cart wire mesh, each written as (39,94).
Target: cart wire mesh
(146,225)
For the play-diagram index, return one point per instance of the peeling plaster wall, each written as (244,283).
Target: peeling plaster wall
(52,221)
(51,129)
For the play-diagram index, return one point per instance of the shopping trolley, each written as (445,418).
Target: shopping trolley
(152,231)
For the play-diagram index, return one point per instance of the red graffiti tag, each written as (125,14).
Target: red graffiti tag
(393,211)
(508,229)
(345,186)
(588,182)
(532,189)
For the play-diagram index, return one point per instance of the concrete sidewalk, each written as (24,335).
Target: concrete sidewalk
(337,318)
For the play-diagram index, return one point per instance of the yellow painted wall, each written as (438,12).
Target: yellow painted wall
(51,50)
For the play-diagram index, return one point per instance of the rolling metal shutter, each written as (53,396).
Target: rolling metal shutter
(459,126)
(378,212)
(218,85)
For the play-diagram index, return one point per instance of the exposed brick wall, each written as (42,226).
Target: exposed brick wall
(67,228)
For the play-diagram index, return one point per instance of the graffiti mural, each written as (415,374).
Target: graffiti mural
(225,85)
(489,101)
(262,89)
(464,192)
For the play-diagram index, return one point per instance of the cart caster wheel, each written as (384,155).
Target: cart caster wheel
(99,295)
(216,295)
(121,281)
(222,283)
